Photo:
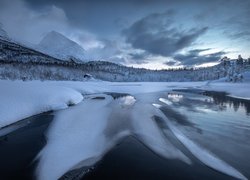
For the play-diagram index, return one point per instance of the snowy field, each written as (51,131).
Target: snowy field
(20,100)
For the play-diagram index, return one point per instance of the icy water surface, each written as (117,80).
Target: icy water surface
(179,134)
(218,123)
(209,128)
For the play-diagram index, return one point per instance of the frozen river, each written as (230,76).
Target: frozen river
(183,133)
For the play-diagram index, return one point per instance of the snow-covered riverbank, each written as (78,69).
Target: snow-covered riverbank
(23,99)
(81,128)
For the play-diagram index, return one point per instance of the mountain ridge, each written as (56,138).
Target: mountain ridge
(59,46)
(3,34)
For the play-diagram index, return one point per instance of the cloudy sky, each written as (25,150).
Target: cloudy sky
(140,33)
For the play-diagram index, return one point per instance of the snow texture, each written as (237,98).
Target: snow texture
(59,46)
(20,100)
(237,90)
(80,136)
(75,137)
(23,99)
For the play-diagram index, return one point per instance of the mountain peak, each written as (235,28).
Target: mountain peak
(55,34)
(3,33)
(59,46)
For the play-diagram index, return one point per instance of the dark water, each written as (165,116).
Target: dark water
(222,99)
(19,148)
(132,160)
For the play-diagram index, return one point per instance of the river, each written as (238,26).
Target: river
(211,129)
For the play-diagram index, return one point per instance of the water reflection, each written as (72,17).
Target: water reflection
(195,103)
(220,99)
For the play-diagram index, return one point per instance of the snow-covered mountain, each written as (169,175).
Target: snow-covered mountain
(14,52)
(21,62)
(57,45)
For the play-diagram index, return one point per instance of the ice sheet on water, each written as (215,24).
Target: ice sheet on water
(165,101)
(203,155)
(81,135)
(75,135)
(157,105)
(148,132)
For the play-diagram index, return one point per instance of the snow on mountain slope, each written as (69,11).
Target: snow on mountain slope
(11,51)
(3,33)
(59,46)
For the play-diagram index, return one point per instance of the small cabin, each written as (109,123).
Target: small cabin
(87,76)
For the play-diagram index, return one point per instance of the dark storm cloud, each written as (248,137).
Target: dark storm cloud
(239,26)
(152,30)
(194,57)
(231,17)
(67,2)
(155,34)
(99,16)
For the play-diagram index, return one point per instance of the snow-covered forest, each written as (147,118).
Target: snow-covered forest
(19,62)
